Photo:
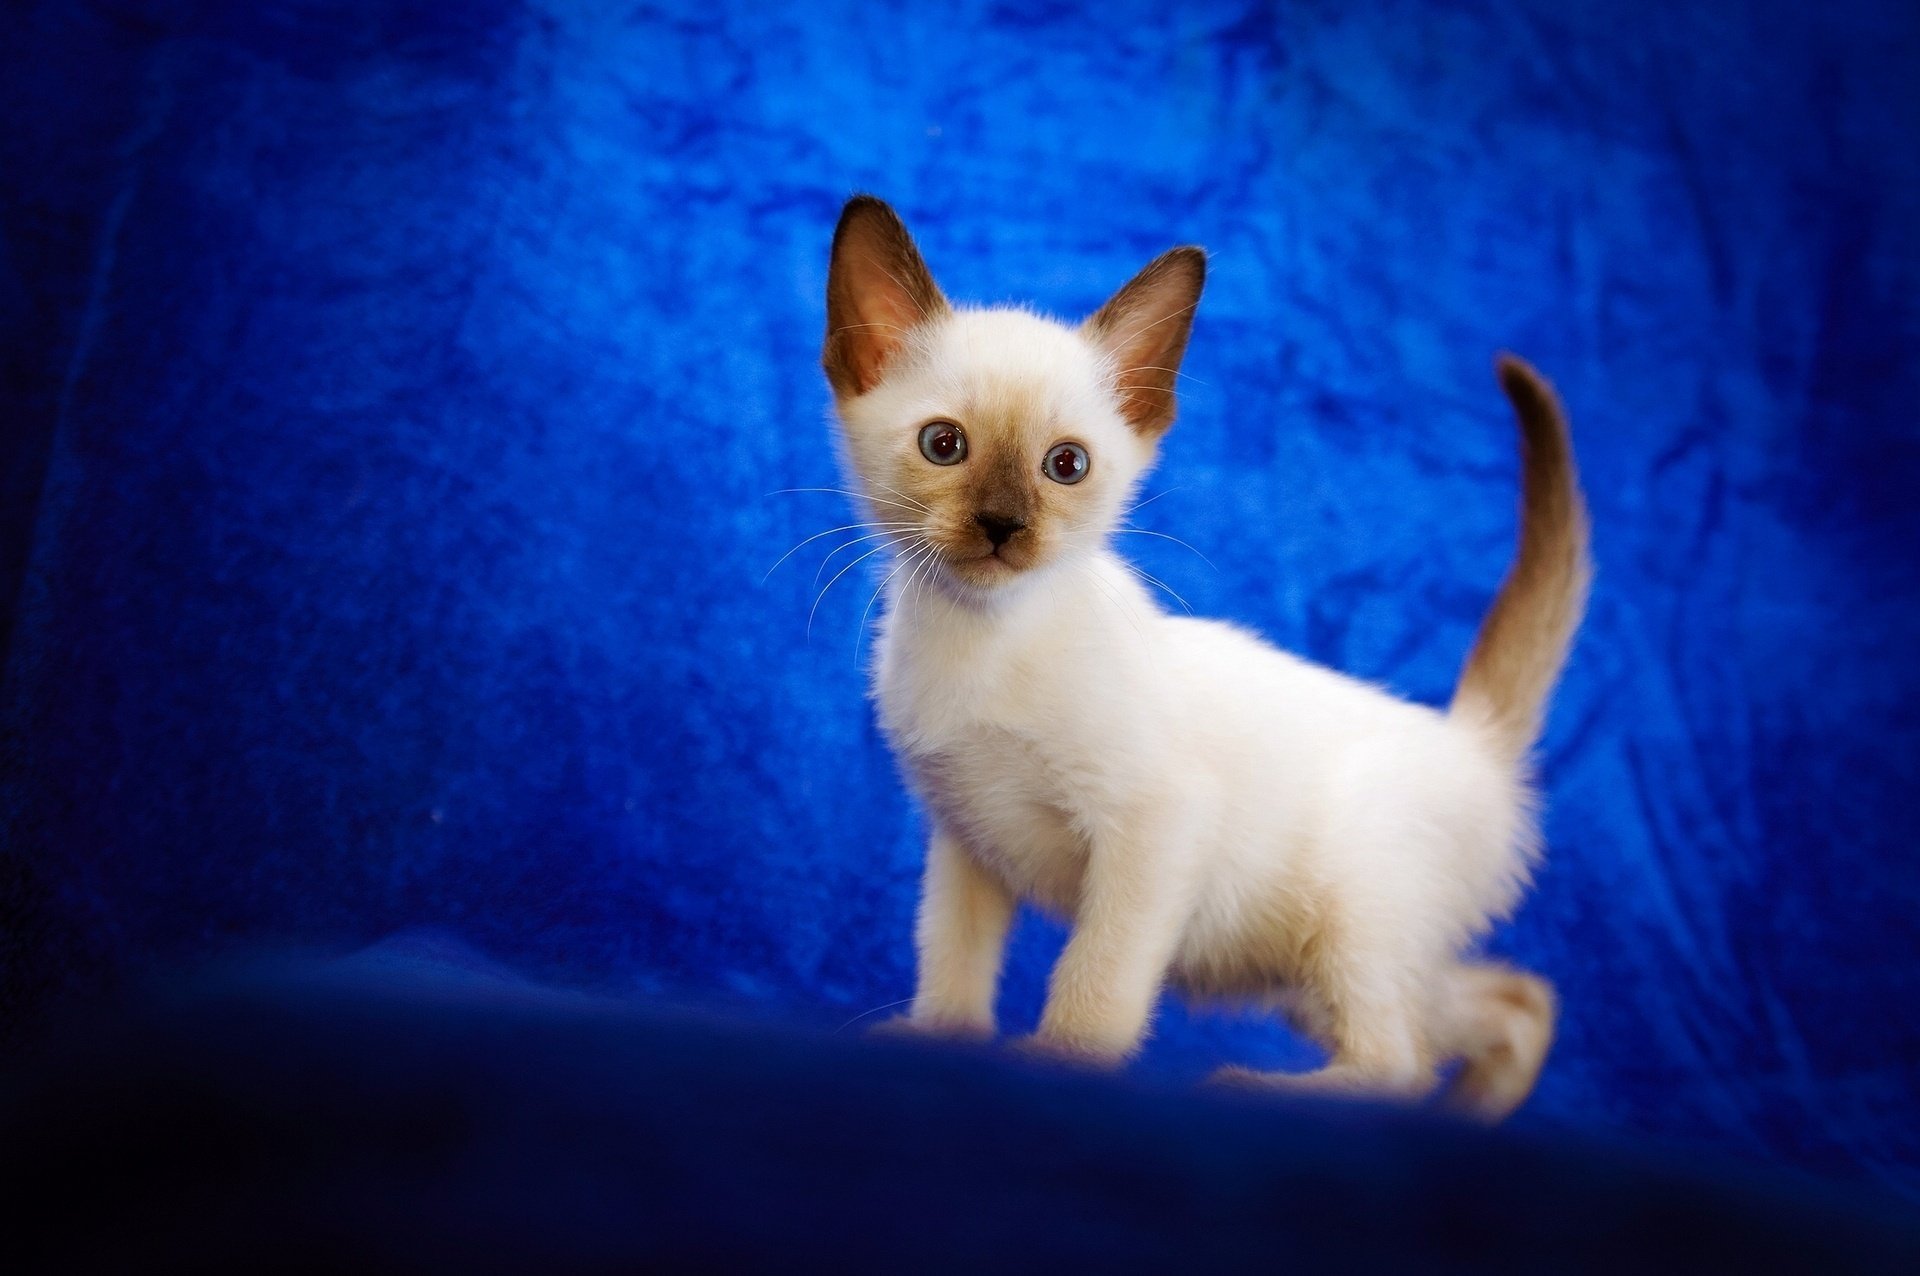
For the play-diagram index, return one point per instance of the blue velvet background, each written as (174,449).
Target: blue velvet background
(392,392)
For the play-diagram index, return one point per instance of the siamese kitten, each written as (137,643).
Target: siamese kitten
(1205,810)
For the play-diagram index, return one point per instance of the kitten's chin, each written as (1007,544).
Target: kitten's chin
(986,576)
(988,569)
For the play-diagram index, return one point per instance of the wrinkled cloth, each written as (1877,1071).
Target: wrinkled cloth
(393,395)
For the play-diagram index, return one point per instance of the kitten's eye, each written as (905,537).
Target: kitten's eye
(1067,463)
(943,443)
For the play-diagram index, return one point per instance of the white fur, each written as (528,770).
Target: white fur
(1204,809)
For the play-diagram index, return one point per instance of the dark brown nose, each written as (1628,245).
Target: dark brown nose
(998,527)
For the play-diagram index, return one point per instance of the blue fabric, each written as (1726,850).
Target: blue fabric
(393,392)
(411,1109)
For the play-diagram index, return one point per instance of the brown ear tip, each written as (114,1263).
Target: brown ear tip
(862,204)
(1193,257)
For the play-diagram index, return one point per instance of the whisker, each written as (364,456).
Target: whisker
(1118,602)
(1141,531)
(835,552)
(1150,578)
(817,535)
(788,491)
(1148,367)
(876,1010)
(849,327)
(836,576)
(897,492)
(926,568)
(902,287)
(927,560)
(906,560)
(1150,500)
(861,632)
(1123,342)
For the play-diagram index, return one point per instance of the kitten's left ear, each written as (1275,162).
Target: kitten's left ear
(1143,328)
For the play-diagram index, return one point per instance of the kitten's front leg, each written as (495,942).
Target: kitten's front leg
(961,936)
(1134,901)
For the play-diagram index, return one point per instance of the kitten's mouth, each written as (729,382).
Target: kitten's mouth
(997,563)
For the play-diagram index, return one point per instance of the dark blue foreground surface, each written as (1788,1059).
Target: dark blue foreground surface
(398,1112)
(392,390)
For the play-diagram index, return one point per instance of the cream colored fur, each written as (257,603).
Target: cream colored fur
(1206,811)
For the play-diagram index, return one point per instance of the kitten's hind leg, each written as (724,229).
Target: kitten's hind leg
(1499,1022)
(1377,1040)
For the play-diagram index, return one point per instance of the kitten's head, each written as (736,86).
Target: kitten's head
(998,443)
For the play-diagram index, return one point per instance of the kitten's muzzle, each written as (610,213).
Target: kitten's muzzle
(998,527)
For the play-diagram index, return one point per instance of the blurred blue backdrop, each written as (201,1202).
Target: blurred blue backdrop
(393,392)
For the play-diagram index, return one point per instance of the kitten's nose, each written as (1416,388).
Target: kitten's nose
(998,527)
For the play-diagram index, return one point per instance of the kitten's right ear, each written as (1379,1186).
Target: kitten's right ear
(877,289)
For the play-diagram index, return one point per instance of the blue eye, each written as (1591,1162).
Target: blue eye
(1067,463)
(943,443)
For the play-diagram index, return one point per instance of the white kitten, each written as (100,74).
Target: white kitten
(1206,810)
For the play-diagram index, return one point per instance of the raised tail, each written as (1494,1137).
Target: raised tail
(1523,642)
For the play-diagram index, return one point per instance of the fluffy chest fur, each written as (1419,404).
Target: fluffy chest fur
(1021,730)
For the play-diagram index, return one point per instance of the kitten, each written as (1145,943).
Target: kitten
(1207,811)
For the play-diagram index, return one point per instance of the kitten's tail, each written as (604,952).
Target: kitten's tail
(1525,637)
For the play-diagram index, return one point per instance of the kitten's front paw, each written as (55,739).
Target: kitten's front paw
(906,1025)
(1056,1050)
